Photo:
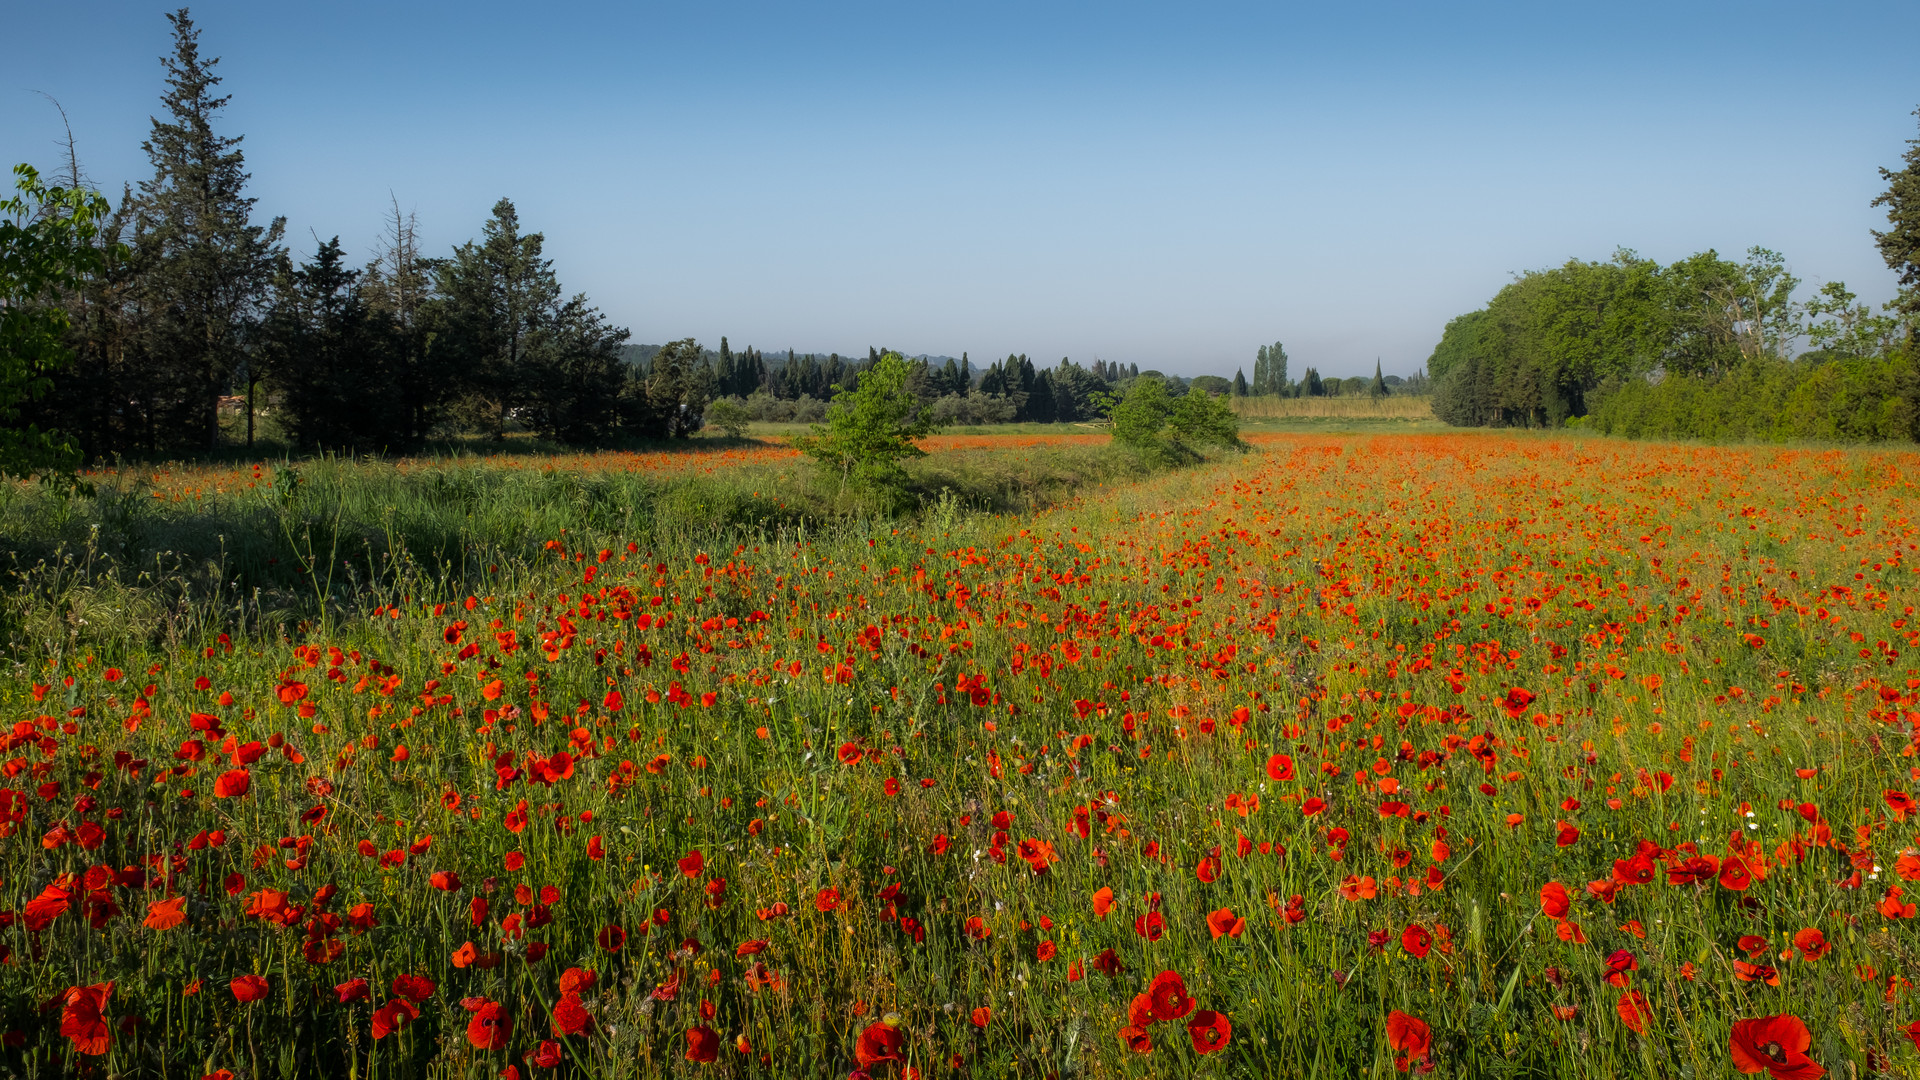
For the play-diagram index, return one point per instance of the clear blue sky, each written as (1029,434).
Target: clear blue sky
(1169,185)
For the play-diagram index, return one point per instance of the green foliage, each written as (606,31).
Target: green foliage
(46,248)
(729,416)
(871,428)
(330,359)
(1900,244)
(1833,400)
(1165,429)
(1531,357)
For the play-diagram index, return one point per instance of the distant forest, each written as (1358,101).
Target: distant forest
(1704,347)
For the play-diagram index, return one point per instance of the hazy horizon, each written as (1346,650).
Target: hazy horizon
(1168,188)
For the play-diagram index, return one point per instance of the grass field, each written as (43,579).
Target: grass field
(1476,755)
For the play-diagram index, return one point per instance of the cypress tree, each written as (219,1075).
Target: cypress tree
(204,266)
(1379,386)
(1240,382)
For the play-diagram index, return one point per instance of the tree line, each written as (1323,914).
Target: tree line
(1703,347)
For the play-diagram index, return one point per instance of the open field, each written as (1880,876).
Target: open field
(1489,755)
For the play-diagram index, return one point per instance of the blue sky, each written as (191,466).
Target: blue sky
(1168,185)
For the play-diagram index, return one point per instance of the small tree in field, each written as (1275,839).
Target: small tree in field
(871,428)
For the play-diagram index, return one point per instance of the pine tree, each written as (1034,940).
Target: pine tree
(399,287)
(331,359)
(204,264)
(1900,244)
(498,292)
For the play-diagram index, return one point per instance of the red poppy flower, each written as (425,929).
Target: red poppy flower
(1280,768)
(1735,875)
(1568,834)
(351,991)
(445,880)
(982,1016)
(1224,921)
(826,900)
(547,1056)
(83,1018)
(394,1016)
(703,1044)
(415,988)
(692,863)
(1408,1035)
(570,1017)
(1900,803)
(1777,1044)
(577,979)
(1152,926)
(1416,940)
(977,928)
(491,1027)
(849,753)
(1137,1039)
(1633,1011)
(611,938)
(1812,944)
(1045,951)
(1108,964)
(1103,901)
(165,914)
(248,988)
(879,1043)
(231,784)
(1210,1031)
(1168,995)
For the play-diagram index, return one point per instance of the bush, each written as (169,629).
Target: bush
(871,429)
(729,415)
(972,408)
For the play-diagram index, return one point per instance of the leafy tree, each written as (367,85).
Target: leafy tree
(871,428)
(46,248)
(205,267)
(1139,417)
(667,400)
(1204,419)
(1900,244)
(729,416)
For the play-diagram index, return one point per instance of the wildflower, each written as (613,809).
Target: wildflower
(83,1018)
(1410,1037)
(1210,1031)
(1777,1044)
(248,988)
(703,1044)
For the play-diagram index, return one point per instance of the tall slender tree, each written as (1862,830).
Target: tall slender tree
(205,267)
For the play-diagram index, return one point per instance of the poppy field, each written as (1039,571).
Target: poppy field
(1458,755)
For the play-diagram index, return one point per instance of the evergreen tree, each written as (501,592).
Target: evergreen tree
(205,268)
(1900,244)
(1240,382)
(399,288)
(498,292)
(332,358)
(1042,405)
(1378,388)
